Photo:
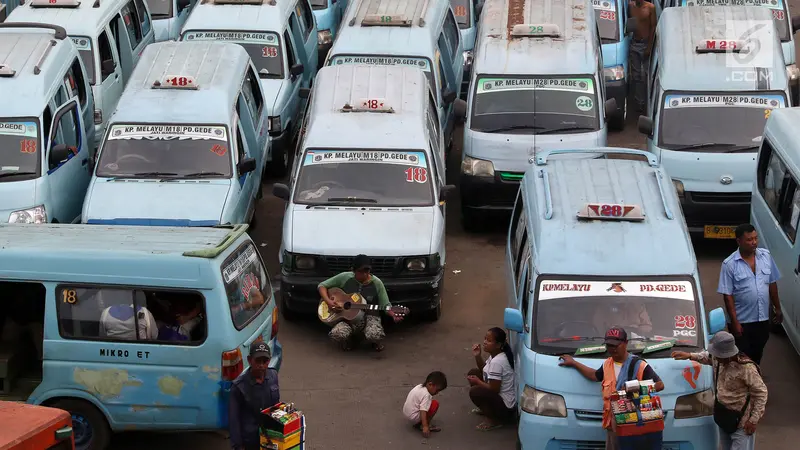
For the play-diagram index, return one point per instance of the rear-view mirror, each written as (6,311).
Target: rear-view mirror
(716,321)
(58,154)
(449,96)
(296,70)
(246,165)
(183,4)
(610,106)
(281,191)
(512,320)
(646,126)
(107,67)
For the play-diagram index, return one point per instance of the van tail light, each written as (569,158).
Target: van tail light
(274,322)
(232,365)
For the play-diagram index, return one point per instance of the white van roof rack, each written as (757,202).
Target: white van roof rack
(390,13)
(37,69)
(59,32)
(6,71)
(55,3)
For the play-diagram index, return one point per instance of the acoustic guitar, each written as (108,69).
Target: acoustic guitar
(353,307)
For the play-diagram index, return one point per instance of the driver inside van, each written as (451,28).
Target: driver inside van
(630,314)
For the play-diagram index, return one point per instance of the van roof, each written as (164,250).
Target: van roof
(781,127)
(270,15)
(218,69)
(416,37)
(574,51)
(86,19)
(403,89)
(681,30)
(25,53)
(566,245)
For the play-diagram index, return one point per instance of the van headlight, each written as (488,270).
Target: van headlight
(304,262)
(37,214)
(792,72)
(614,73)
(467,58)
(416,264)
(678,187)
(477,167)
(542,403)
(699,404)
(324,37)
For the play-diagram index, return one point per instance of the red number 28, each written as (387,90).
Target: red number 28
(611,210)
(685,322)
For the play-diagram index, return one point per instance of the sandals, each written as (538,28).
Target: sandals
(484,426)
(476,411)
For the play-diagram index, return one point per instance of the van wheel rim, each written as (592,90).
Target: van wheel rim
(82,431)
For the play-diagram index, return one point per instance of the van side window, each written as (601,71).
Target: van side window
(47,118)
(518,233)
(252,94)
(132,24)
(289,50)
(247,285)
(452,33)
(441,76)
(106,54)
(240,144)
(779,189)
(75,82)
(305,17)
(526,286)
(114,26)
(144,18)
(125,314)
(433,115)
(67,132)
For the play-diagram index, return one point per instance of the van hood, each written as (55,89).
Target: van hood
(16,195)
(711,172)
(145,202)
(272,90)
(580,394)
(339,231)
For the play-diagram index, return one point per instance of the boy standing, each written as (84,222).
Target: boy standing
(420,407)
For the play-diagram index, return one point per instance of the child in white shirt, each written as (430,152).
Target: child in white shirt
(420,407)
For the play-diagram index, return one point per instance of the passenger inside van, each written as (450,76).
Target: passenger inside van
(630,315)
(179,316)
(118,322)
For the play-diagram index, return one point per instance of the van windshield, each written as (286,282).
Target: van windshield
(606,13)
(165,151)
(535,105)
(570,314)
(377,60)
(461,11)
(702,122)
(160,9)
(19,149)
(264,48)
(778,8)
(371,177)
(84,45)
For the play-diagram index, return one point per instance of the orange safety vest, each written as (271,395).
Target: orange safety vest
(610,386)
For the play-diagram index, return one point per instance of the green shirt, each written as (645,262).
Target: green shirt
(372,291)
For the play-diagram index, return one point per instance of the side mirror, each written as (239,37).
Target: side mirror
(304,92)
(281,191)
(716,321)
(460,110)
(610,106)
(445,192)
(296,70)
(630,25)
(108,67)
(512,320)
(183,4)
(795,24)
(646,126)
(58,154)
(449,96)
(246,165)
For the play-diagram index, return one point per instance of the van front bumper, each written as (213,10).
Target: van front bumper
(299,292)
(551,433)
(490,193)
(715,208)
(618,90)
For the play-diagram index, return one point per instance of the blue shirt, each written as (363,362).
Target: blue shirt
(750,290)
(247,399)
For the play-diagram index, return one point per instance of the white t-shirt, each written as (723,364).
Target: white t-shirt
(498,368)
(419,399)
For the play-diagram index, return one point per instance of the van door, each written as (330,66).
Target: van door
(520,340)
(77,86)
(306,32)
(111,84)
(123,44)
(246,183)
(67,158)
(248,129)
(291,109)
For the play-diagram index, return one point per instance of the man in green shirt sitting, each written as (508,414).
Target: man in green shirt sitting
(371,289)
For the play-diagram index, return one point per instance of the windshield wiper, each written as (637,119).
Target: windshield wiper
(154,174)
(570,339)
(742,148)
(737,147)
(558,130)
(352,200)
(511,127)
(203,175)
(8,174)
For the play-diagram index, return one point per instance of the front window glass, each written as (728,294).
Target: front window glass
(535,105)
(371,177)
(606,12)
(319,4)
(461,11)
(777,7)
(165,151)
(571,314)
(264,48)
(84,45)
(160,9)
(703,122)
(374,60)
(19,149)
(247,285)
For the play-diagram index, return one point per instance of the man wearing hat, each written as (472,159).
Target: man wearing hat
(616,370)
(741,394)
(254,390)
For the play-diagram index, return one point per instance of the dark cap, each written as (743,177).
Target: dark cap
(362,262)
(260,349)
(616,336)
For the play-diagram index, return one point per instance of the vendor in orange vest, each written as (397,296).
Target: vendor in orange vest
(620,363)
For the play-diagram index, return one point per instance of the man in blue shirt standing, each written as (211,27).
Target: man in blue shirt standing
(252,392)
(748,284)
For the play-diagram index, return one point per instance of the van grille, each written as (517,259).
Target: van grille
(381,265)
(720,197)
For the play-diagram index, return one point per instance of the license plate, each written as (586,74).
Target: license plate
(719,232)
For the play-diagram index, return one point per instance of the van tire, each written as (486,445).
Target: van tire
(280,163)
(433,315)
(617,120)
(88,416)
(288,314)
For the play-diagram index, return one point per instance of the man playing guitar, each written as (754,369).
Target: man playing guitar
(359,281)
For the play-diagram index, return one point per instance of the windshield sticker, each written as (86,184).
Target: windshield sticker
(233,270)
(773,4)
(82,43)
(554,84)
(584,103)
(27,146)
(682,322)
(554,289)
(416,175)
(232,36)
(594,349)
(605,5)
(316,157)
(691,374)
(219,149)
(269,52)
(382,61)
(752,101)
(168,132)
(18,129)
